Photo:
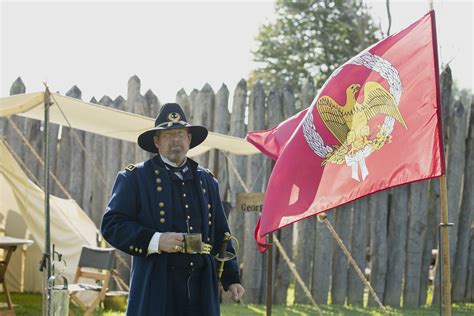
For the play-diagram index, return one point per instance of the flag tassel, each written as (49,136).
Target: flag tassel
(322,217)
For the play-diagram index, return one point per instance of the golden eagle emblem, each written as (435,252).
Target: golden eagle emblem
(174,117)
(349,122)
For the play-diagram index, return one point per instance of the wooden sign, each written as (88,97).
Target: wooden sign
(249,202)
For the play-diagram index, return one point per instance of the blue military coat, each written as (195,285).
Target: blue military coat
(140,205)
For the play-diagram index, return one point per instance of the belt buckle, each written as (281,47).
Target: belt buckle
(193,243)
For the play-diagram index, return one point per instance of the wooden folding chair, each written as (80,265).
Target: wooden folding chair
(95,264)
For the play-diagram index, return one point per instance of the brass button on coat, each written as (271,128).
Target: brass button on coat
(162,220)
(208,206)
(159,189)
(161,204)
(158,180)
(157,172)
(162,213)
(209,215)
(210,223)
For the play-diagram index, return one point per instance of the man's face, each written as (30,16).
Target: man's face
(173,144)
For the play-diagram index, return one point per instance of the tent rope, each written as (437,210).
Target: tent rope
(23,165)
(297,275)
(88,155)
(234,169)
(323,218)
(257,176)
(37,156)
(290,264)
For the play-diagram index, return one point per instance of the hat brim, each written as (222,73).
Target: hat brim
(145,139)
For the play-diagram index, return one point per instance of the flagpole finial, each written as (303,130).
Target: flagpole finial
(322,217)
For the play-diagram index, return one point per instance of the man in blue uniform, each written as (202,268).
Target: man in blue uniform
(166,212)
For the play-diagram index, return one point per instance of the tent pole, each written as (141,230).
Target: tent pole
(47,242)
(444,249)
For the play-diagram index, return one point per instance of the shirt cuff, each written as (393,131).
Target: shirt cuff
(154,245)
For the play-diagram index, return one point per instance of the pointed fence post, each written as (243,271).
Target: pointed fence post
(221,125)
(88,170)
(239,129)
(64,151)
(359,236)
(340,263)
(304,230)
(153,104)
(138,104)
(417,227)
(282,274)
(75,182)
(466,213)
(396,241)
(183,100)
(203,114)
(127,155)
(378,243)
(430,238)
(252,279)
(323,249)
(192,101)
(15,141)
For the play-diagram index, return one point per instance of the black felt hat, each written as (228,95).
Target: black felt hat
(171,116)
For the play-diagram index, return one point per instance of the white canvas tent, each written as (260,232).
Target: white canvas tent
(22,216)
(107,121)
(22,202)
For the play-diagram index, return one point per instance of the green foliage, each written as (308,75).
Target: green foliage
(310,39)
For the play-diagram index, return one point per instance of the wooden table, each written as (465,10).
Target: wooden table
(9,244)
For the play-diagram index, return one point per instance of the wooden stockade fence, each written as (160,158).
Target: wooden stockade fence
(392,235)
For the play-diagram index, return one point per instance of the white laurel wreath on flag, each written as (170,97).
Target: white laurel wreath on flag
(372,62)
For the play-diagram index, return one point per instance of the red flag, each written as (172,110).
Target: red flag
(374,125)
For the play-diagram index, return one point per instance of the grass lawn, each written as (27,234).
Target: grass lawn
(30,304)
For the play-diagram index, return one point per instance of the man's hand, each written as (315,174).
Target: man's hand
(236,291)
(171,242)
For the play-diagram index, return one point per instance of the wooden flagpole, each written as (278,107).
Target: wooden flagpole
(444,227)
(269,275)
